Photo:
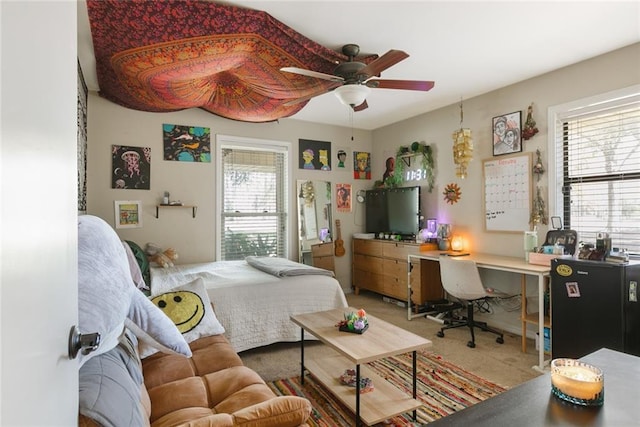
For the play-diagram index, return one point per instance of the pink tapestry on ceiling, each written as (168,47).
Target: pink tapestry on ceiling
(165,56)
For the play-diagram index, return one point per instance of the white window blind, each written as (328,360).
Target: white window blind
(598,148)
(254,202)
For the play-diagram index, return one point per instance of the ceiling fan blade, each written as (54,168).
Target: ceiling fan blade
(385,61)
(422,85)
(312,95)
(362,106)
(309,73)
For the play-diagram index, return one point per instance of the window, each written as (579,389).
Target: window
(252,198)
(597,167)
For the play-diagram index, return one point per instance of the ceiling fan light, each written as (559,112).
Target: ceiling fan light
(352,95)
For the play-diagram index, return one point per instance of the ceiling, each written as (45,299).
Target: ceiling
(467,48)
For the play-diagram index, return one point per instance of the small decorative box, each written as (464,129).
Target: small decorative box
(345,328)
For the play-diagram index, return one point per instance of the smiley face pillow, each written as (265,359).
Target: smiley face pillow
(189,308)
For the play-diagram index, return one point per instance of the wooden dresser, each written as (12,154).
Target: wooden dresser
(381,266)
(322,256)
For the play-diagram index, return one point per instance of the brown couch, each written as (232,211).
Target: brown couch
(212,388)
(199,380)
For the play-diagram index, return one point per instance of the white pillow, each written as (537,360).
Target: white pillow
(189,307)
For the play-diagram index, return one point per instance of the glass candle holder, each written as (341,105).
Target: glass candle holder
(577,382)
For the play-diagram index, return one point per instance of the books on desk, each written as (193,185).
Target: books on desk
(454,253)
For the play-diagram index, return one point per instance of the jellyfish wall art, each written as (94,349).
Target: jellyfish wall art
(131,167)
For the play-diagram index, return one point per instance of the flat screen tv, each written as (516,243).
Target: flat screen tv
(393,210)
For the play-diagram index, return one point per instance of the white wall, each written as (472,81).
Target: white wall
(615,70)
(194,183)
(38,215)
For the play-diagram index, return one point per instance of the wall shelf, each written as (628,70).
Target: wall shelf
(194,209)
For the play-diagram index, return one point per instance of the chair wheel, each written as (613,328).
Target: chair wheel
(500,340)
(471,344)
(440,334)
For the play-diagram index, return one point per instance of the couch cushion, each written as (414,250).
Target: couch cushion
(210,354)
(111,389)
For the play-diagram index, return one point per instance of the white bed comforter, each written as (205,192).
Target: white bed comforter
(253,306)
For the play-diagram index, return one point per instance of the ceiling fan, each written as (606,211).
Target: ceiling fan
(353,79)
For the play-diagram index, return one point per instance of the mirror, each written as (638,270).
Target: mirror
(314,216)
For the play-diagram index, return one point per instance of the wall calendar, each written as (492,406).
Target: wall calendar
(507,193)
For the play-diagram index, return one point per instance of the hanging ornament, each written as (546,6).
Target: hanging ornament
(452,193)
(538,168)
(538,214)
(530,128)
(462,148)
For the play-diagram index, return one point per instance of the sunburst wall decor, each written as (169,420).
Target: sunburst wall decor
(452,193)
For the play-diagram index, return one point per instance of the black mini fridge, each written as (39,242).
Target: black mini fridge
(594,304)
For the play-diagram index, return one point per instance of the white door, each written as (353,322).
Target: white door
(38,226)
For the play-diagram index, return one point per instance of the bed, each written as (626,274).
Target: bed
(254,298)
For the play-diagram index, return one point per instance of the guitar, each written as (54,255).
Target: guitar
(339,243)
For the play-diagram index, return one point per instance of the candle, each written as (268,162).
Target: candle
(577,379)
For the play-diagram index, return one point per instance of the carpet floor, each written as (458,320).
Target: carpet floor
(443,388)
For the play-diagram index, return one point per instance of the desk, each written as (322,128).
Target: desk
(501,263)
(532,404)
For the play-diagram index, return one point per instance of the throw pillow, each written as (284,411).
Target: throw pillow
(190,309)
(153,328)
(134,267)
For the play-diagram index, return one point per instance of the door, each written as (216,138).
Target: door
(38,215)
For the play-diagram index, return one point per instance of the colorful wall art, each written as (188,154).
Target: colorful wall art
(131,167)
(343,197)
(361,165)
(186,143)
(314,155)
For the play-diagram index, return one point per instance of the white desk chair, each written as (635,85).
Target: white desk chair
(461,279)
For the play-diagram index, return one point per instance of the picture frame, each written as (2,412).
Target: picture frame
(507,133)
(573,291)
(128,213)
(314,155)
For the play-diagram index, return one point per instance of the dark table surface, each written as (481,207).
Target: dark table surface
(532,404)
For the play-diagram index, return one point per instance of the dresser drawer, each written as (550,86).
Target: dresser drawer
(322,249)
(368,280)
(398,250)
(368,263)
(325,262)
(396,269)
(367,247)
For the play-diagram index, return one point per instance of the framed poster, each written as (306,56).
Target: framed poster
(507,193)
(186,143)
(343,197)
(361,165)
(314,155)
(344,158)
(128,213)
(130,167)
(507,135)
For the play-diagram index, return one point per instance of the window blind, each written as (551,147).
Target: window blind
(601,171)
(253,218)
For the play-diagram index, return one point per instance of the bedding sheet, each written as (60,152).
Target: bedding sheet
(253,306)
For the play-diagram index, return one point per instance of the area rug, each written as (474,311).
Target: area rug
(443,388)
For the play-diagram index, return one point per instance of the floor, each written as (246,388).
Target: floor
(504,364)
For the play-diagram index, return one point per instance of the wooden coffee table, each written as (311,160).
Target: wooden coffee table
(381,340)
